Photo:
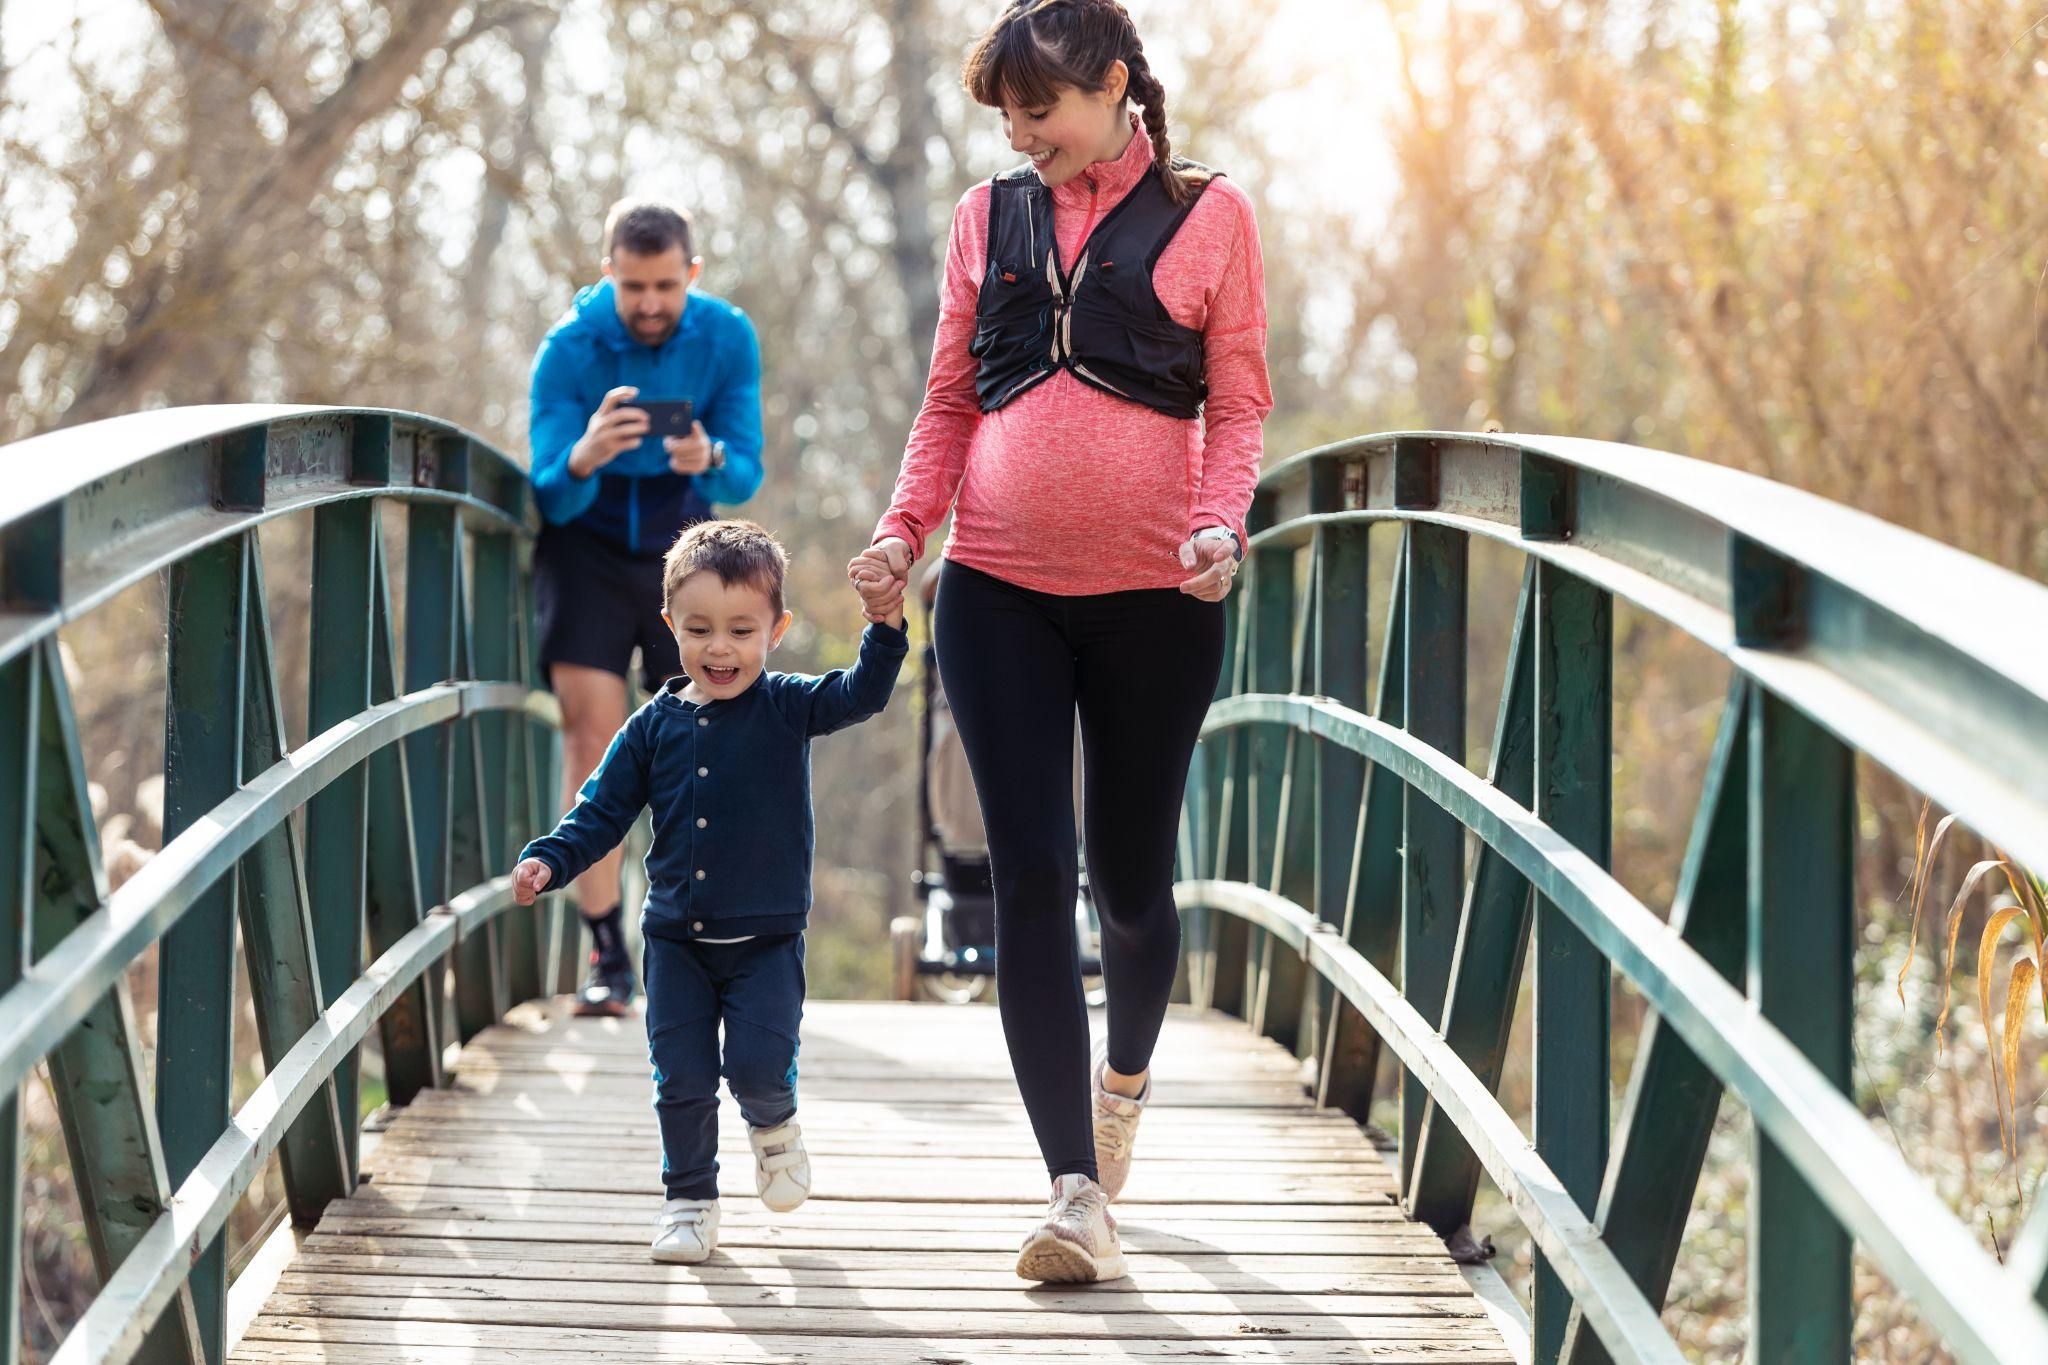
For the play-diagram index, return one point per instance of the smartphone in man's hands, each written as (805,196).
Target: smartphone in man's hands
(666,417)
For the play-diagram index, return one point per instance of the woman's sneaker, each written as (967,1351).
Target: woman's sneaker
(686,1231)
(1076,1244)
(782,1170)
(1116,1128)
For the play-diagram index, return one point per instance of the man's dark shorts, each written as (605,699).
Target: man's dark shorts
(597,602)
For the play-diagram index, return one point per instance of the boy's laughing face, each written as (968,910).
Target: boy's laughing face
(724,631)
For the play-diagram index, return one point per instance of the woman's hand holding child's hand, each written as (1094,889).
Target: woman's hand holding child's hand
(529,879)
(881,575)
(1215,561)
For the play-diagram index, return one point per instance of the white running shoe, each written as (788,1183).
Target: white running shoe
(1076,1244)
(782,1169)
(686,1231)
(1116,1128)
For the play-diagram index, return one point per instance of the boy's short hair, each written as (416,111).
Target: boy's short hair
(739,552)
(648,227)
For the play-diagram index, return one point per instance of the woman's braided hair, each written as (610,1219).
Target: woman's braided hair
(1039,46)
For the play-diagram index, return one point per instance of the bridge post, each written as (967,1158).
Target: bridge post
(338,686)
(1493,938)
(1667,1116)
(1802,834)
(1372,902)
(393,899)
(506,751)
(1341,626)
(208,607)
(1571,981)
(479,959)
(1281,856)
(1229,938)
(277,934)
(18,687)
(1433,686)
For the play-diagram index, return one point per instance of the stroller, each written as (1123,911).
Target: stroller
(946,951)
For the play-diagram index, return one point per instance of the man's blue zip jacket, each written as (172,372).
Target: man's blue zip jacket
(712,359)
(729,783)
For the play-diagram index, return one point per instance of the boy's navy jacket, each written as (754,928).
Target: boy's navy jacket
(712,359)
(730,786)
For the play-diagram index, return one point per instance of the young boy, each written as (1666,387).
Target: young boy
(723,756)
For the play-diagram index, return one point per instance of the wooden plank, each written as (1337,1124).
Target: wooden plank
(1017,1296)
(997,1241)
(391,1344)
(486,1251)
(408,1200)
(932,1275)
(1297,1326)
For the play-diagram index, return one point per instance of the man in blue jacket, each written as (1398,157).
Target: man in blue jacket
(613,500)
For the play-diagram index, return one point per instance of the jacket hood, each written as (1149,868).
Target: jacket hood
(595,315)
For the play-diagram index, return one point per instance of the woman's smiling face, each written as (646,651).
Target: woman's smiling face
(1079,128)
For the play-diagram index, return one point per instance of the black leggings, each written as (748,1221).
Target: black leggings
(1141,667)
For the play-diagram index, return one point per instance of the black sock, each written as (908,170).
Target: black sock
(608,934)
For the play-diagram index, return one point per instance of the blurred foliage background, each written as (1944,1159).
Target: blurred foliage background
(1809,240)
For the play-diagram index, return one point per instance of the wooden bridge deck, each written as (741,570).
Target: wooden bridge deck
(507,1218)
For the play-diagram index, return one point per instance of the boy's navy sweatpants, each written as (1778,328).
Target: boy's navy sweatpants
(756,990)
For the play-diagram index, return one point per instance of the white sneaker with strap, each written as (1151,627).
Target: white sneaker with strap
(686,1231)
(782,1169)
(1116,1127)
(1076,1244)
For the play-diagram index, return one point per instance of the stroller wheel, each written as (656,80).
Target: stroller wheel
(949,989)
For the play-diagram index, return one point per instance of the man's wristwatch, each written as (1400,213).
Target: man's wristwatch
(718,454)
(1218,533)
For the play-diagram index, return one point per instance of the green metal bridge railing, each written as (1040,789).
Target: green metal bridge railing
(426,767)
(1325,849)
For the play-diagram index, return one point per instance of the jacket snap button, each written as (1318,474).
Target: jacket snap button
(702,721)
(701,822)
(700,874)
(698,927)
(703,772)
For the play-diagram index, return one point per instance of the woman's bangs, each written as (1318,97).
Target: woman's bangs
(1009,67)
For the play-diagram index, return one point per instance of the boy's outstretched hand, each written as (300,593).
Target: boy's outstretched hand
(529,879)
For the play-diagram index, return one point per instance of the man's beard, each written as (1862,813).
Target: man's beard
(652,331)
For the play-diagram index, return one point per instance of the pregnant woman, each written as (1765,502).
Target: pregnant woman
(1092,420)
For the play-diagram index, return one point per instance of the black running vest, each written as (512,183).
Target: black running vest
(1102,321)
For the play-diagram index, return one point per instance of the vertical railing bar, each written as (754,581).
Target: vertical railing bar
(1287,865)
(1667,1116)
(1372,905)
(393,899)
(1229,937)
(1571,981)
(1341,629)
(20,688)
(479,965)
(337,819)
(277,927)
(98,1072)
(208,622)
(1802,843)
(1433,842)
(493,593)
(1493,933)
